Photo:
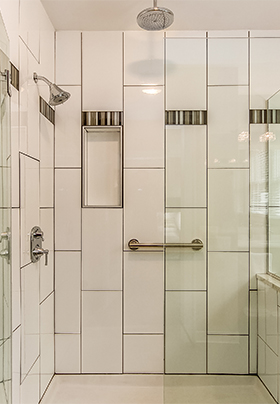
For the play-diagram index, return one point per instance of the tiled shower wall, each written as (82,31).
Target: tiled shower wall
(31,37)
(110,315)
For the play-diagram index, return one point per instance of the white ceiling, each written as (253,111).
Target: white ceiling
(189,14)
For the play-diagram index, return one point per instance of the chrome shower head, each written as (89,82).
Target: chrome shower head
(155,18)
(57,95)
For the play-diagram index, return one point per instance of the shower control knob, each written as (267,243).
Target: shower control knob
(38,252)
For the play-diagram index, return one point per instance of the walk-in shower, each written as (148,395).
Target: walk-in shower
(57,95)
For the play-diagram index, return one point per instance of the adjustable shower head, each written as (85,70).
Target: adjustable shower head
(57,95)
(155,18)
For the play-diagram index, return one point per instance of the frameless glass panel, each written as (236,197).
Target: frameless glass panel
(102,166)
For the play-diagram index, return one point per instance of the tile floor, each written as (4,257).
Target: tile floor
(156,389)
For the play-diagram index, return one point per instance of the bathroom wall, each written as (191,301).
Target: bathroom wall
(31,49)
(110,301)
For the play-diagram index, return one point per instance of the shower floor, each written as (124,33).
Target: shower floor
(156,389)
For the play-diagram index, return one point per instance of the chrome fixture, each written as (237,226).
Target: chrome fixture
(196,245)
(6,74)
(57,95)
(36,250)
(5,253)
(155,18)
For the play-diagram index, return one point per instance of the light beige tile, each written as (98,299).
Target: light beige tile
(68,53)
(67,353)
(46,342)
(47,271)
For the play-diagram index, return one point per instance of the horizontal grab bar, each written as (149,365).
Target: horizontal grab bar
(196,245)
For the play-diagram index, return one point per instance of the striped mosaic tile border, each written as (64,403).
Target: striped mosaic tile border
(186,117)
(47,111)
(14,76)
(261,116)
(102,118)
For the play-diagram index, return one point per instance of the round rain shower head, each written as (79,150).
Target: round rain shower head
(155,18)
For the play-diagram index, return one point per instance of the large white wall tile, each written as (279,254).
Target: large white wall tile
(30,25)
(267,367)
(23,106)
(226,121)
(46,129)
(228,61)
(143,292)
(258,166)
(102,71)
(258,243)
(253,331)
(16,338)
(185,268)
(143,353)
(185,34)
(100,228)
(185,332)
(68,53)
(144,127)
(228,293)
(67,291)
(68,209)
(185,166)
(271,318)
(68,130)
(47,47)
(185,74)
(10,14)
(102,332)
(33,108)
(273,239)
(29,317)
(228,34)
(47,271)
(15,245)
(228,354)
(143,201)
(228,211)
(67,353)
(46,187)
(261,310)
(15,147)
(273,169)
(265,63)
(30,388)
(143,58)
(46,342)
(29,202)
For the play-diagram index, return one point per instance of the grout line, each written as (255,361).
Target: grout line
(207,210)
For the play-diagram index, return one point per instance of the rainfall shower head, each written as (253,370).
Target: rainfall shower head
(155,18)
(57,95)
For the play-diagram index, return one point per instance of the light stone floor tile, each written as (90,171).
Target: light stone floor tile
(156,389)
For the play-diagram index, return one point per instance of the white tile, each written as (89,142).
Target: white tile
(47,271)
(68,209)
(46,187)
(228,61)
(15,146)
(68,53)
(185,335)
(273,240)
(102,332)
(46,342)
(143,195)
(101,270)
(267,369)
(264,63)
(273,168)
(185,268)
(33,108)
(143,58)
(15,245)
(253,331)
(185,34)
(185,166)
(46,142)
(228,293)
(68,130)
(143,353)
(67,353)
(23,99)
(67,294)
(228,354)
(10,14)
(265,34)
(29,202)
(226,124)
(261,358)
(102,71)
(30,387)
(185,74)
(144,127)
(29,317)
(261,310)
(228,216)
(30,25)
(16,365)
(258,166)
(143,292)
(47,47)
(271,318)
(228,34)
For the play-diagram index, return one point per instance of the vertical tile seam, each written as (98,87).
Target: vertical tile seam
(207,200)
(81,217)
(123,207)
(164,218)
(249,215)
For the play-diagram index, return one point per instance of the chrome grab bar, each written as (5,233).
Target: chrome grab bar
(196,245)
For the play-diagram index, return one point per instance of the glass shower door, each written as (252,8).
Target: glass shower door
(5,223)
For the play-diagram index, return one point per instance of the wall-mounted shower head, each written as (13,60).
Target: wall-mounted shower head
(155,18)
(57,95)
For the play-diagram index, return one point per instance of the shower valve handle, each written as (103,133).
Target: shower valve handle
(38,252)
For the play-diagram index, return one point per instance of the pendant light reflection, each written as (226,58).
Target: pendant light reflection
(151,91)
(267,137)
(243,136)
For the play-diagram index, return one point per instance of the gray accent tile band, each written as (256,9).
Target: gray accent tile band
(102,118)
(261,116)
(14,76)
(186,117)
(47,111)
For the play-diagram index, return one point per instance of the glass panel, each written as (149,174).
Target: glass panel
(102,153)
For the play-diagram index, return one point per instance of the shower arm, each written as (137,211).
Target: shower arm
(155,4)
(36,78)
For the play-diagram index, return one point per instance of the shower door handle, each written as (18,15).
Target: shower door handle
(196,245)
